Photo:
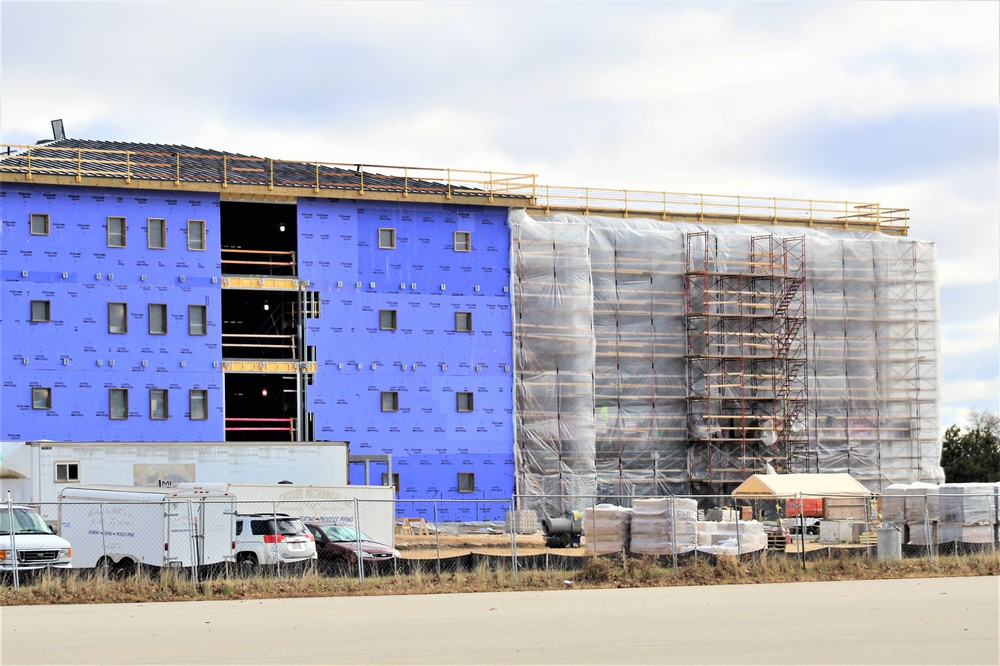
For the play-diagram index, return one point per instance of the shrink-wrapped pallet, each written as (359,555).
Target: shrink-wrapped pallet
(724,540)
(894,503)
(922,502)
(967,503)
(606,529)
(655,523)
(923,534)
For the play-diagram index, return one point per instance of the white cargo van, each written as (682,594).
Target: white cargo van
(120,527)
(25,534)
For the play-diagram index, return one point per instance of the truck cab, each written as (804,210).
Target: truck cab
(25,534)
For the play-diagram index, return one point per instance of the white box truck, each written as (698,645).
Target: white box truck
(121,527)
(376,504)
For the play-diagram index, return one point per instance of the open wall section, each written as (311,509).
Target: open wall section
(610,370)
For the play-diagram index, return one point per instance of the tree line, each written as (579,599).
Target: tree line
(972,454)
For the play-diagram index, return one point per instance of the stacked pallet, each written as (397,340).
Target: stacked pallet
(606,529)
(655,523)
(967,512)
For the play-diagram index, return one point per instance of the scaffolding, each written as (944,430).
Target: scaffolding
(745,310)
(667,357)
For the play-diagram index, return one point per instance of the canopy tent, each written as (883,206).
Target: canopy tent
(793,485)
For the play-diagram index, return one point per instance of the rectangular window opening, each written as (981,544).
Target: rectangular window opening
(466,482)
(41,397)
(158,406)
(464,401)
(199,404)
(157,319)
(387,320)
(119,404)
(463,241)
(196,234)
(41,311)
(116,231)
(387,239)
(395,480)
(39,224)
(67,472)
(197,315)
(463,322)
(390,401)
(117,318)
(157,231)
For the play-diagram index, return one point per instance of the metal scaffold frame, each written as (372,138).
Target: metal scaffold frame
(745,311)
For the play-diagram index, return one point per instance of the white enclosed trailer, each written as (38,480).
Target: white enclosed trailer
(48,467)
(124,526)
(375,505)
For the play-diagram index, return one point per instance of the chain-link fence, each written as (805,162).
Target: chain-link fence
(215,535)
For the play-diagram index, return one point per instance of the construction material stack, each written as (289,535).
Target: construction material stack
(664,526)
(606,528)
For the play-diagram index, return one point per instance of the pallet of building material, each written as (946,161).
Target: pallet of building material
(957,532)
(922,502)
(894,503)
(606,529)
(922,534)
(967,503)
(657,522)
(844,508)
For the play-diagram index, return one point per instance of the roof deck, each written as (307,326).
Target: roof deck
(246,177)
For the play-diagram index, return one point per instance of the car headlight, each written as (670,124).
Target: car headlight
(65,553)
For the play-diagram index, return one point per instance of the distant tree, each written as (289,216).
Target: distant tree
(973,454)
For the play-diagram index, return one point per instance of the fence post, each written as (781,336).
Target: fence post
(927,527)
(192,543)
(739,547)
(274,518)
(104,546)
(802,533)
(357,533)
(13,542)
(513,537)
(437,539)
(673,531)
(868,546)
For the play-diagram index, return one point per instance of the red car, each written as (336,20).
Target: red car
(336,543)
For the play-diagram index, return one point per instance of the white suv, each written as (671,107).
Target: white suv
(268,539)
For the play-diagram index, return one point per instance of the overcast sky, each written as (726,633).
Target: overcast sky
(893,102)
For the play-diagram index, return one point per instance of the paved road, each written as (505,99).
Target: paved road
(922,621)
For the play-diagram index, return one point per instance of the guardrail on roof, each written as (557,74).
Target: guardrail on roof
(228,170)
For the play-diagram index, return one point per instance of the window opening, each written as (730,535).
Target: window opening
(119,403)
(40,311)
(116,232)
(157,233)
(41,397)
(39,224)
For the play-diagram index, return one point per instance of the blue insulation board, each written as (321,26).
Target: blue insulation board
(425,361)
(79,275)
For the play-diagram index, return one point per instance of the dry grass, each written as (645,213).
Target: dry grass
(597,572)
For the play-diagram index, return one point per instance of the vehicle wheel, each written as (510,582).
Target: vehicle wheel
(246,564)
(103,568)
(126,568)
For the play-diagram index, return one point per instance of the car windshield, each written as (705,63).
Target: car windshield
(343,533)
(26,521)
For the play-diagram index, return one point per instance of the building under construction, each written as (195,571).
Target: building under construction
(487,334)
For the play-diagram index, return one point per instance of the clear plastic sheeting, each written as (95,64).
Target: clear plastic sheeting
(659,358)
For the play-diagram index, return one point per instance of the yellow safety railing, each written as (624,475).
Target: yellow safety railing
(232,170)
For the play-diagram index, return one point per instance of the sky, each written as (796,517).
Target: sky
(889,102)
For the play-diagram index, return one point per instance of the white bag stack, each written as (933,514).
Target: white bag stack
(606,529)
(652,530)
(966,503)
(725,541)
